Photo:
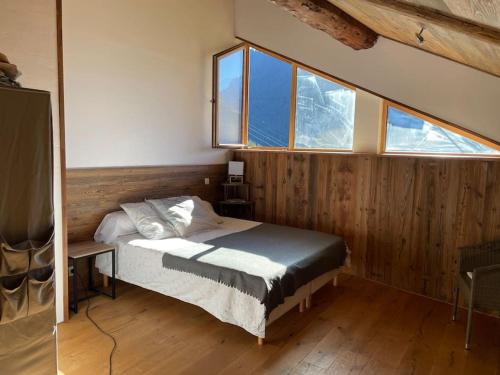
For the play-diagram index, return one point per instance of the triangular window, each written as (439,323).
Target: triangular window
(410,132)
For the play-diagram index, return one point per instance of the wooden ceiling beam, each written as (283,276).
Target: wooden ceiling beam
(438,18)
(323,15)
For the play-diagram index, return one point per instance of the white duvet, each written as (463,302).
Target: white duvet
(139,262)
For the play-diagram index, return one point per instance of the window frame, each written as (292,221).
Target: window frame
(215,96)
(385,103)
(245,46)
(434,121)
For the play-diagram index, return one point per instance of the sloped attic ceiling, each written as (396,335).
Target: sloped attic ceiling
(465,31)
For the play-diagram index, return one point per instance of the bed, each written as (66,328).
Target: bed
(244,272)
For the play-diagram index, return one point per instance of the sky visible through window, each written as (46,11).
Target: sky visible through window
(270,81)
(407,133)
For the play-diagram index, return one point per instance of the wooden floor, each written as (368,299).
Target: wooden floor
(357,328)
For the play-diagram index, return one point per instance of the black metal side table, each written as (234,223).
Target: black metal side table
(89,250)
(237,209)
(237,201)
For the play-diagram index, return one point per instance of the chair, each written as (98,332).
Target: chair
(479,279)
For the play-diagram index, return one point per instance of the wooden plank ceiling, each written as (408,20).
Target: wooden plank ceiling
(486,12)
(465,31)
(461,30)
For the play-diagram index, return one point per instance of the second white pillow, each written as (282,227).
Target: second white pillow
(147,221)
(186,214)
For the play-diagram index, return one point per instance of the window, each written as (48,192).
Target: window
(269,90)
(229,97)
(324,116)
(263,100)
(411,132)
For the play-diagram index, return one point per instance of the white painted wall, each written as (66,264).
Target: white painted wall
(28,37)
(138,80)
(432,84)
(367,120)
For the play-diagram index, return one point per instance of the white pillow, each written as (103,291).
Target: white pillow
(113,225)
(147,221)
(185,214)
(209,210)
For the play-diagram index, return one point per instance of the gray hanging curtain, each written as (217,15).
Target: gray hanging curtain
(27,314)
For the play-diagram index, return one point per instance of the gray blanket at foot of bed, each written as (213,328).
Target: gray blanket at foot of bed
(269,262)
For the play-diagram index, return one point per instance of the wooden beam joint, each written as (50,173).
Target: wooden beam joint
(323,15)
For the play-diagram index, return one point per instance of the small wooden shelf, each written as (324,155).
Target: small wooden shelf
(85,249)
(89,250)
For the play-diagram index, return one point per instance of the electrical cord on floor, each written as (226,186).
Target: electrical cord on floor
(97,325)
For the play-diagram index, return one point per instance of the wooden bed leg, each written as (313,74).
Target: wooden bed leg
(302,304)
(105,280)
(308,302)
(260,341)
(335,281)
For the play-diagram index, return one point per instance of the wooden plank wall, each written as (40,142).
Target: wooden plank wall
(94,192)
(403,217)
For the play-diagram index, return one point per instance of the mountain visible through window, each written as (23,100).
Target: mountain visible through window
(324,113)
(270,83)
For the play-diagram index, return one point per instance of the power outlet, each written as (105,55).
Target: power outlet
(207,181)
(71,271)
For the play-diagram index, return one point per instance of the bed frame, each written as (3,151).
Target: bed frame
(302,297)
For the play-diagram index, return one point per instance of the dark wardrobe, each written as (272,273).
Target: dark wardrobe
(27,314)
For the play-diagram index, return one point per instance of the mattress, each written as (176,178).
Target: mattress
(269,262)
(139,261)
